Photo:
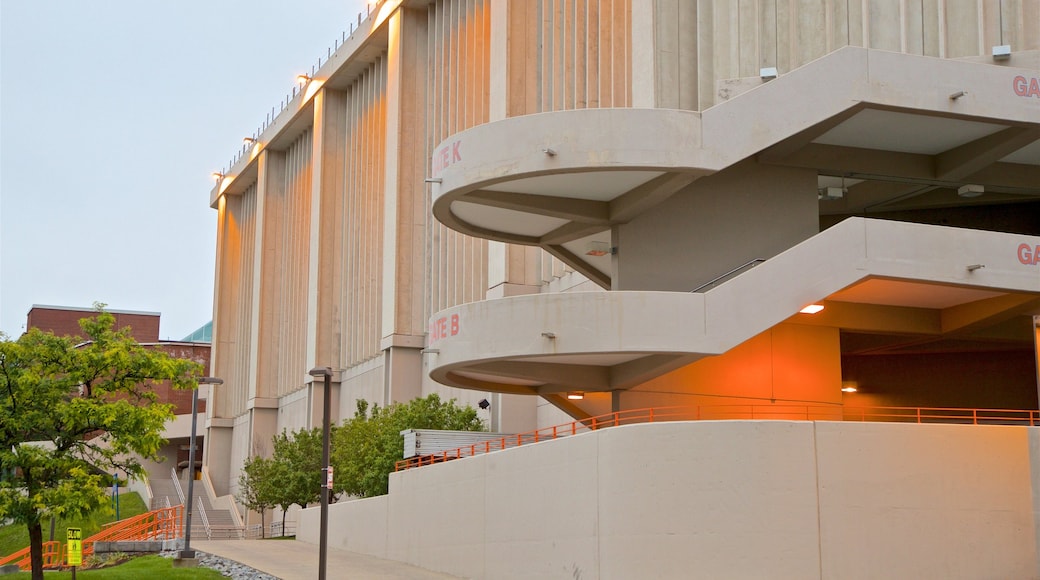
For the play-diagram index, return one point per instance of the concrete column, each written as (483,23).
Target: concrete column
(270,188)
(327,190)
(404,218)
(217,453)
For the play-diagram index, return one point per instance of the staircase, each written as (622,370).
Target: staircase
(221,523)
(163,493)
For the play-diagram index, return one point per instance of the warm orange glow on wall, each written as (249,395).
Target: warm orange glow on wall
(224,183)
(312,89)
(811,309)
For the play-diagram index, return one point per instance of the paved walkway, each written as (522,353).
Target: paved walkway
(292,560)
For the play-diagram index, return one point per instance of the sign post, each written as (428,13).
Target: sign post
(74,537)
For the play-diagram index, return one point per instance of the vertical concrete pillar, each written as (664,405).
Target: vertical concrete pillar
(271,186)
(1036,348)
(327,196)
(217,453)
(643,53)
(404,215)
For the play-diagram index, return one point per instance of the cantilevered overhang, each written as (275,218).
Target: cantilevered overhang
(873,276)
(892,130)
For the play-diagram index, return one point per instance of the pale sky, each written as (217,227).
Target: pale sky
(113,115)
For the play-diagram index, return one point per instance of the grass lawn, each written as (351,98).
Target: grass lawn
(16,536)
(143,567)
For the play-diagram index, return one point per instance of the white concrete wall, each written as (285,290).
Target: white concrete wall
(728,499)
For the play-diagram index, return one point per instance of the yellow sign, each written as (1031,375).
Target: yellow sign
(75,547)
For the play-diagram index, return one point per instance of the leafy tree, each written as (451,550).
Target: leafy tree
(71,413)
(366,447)
(256,487)
(297,469)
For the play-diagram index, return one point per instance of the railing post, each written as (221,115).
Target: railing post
(593,423)
(919,415)
(975,416)
(651,415)
(617,418)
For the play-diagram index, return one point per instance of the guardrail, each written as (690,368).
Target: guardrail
(177,485)
(737,412)
(161,524)
(204,518)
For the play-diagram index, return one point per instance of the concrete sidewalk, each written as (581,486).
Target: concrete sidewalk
(292,560)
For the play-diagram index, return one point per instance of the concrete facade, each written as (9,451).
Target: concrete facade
(631,201)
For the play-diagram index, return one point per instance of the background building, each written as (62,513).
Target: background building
(144,328)
(629,202)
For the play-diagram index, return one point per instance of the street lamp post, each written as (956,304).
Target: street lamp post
(326,491)
(187,553)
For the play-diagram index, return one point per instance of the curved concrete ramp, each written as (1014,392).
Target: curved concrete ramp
(602,341)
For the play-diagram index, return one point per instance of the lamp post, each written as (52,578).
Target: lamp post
(326,490)
(187,552)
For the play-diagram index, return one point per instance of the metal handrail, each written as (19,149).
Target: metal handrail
(205,519)
(734,271)
(959,416)
(177,485)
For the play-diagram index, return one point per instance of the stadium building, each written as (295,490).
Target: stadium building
(578,208)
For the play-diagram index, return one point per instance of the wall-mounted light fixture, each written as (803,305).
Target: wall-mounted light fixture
(768,73)
(957,94)
(1002,52)
(973,267)
(549,151)
(970,190)
(598,249)
(848,388)
(248,141)
(549,335)
(217,175)
(303,79)
(576,395)
(483,404)
(812,309)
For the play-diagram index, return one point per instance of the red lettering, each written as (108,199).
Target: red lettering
(442,327)
(454,324)
(1026,87)
(455,154)
(1020,85)
(444,157)
(1028,255)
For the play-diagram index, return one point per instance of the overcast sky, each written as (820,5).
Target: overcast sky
(113,115)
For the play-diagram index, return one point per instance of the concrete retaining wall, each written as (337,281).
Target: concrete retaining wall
(718,499)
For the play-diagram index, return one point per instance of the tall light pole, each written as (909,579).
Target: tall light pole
(187,553)
(326,489)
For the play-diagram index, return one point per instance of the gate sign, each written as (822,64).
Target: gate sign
(75,546)
(328,478)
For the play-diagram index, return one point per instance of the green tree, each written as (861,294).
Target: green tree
(366,447)
(256,487)
(72,412)
(297,469)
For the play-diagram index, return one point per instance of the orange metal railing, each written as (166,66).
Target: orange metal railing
(161,524)
(739,412)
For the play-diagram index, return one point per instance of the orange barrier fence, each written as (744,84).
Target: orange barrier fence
(736,412)
(161,524)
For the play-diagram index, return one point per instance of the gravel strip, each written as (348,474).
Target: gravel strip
(229,568)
